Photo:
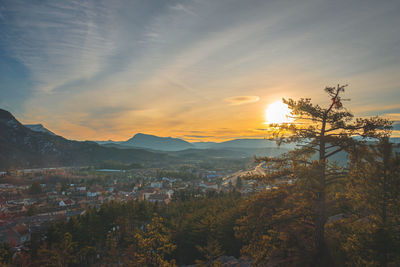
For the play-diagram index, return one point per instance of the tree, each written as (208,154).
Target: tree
(322,132)
(87,256)
(239,183)
(47,257)
(152,246)
(374,188)
(32,210)
(276,227)
(5,254)
(62,254)
(112,251)
(210,253)
(66,250)
(35,188)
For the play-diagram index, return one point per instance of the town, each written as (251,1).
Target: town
(31,199)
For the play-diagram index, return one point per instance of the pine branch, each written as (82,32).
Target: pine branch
(334,152)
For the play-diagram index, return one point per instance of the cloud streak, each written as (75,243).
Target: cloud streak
(59,42)
(241,100)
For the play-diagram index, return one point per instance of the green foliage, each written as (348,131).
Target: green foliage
(371,235)
(131,233)
(32,210)
(117,165)
(47,257)
(210,253)
(5,254)
(151,246)
(277,227)
(60,254)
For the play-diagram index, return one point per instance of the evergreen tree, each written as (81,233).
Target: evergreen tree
(35,188)
(324,132)
(32,210)
(66,250)
(47,257)
(210,253)
(5,254)
(112,250)
(276,228)
(152,246)
(374,189)
(239,183)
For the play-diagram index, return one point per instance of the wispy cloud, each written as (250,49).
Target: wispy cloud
(240,100)
(181,7)
(107,69)
(59,42)
(198,136)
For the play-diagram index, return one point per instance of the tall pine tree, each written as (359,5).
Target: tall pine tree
(320,133)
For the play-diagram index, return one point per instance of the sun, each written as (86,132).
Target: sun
(277,113)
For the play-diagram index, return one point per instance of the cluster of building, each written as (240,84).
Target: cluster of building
(23,212)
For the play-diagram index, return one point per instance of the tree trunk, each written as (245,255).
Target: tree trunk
(320,207)
(386,157)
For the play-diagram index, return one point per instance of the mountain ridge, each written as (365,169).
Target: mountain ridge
(39,128)
(20,147)
(158,143)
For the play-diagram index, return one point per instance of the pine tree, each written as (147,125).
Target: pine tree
(5,254)
(239,183)
(112,250)
(322,132)
(66,250)
(35,188)
(276,228)
(152,246)
(210,253)
(374,190)
(47,257)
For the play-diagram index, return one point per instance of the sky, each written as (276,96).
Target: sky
(201,70)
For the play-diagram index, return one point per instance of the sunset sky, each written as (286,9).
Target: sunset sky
(196,69)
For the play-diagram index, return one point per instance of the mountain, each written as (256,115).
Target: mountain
(153,142)
(250,143)
(242,144)
(20,147)
(157,143)
(39,128)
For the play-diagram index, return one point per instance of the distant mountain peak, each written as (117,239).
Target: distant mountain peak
(143,135)
(39,128)
(157,143)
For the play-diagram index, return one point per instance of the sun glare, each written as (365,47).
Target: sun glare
(278,112)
